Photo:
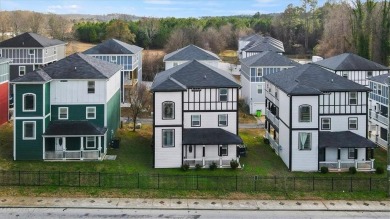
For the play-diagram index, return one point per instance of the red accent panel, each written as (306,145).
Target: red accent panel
(4,102)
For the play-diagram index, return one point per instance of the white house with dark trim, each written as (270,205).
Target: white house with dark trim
(378,102)
(316,118)
(255,43)
(195,119)
(121,53)
(69,110)
(353,67)
(189,53)
(253,69)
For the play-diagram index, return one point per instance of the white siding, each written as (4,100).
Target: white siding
(208,99)
(169,157)
(161,97)
(245,90)
(64,92)
(113,85)
(331,154)
(305,160)
(304,100)
(169,64)
(210,120)
(284,137)
(284,107)
(339,123)
(211,152)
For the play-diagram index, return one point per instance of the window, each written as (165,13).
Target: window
(29,130)
(223,150)
(91,142)
(276,93)
(259,89)
(22,70)
(369,74)
(379,89)
(46,51)
(325,123)
(345,75)
(305,113)
(168,138)
(304,139)
(91,87)
(195,120)
(55,50)
(91,112)
(352,123)
(351,153)
(223,120)
(29,102)
(113,59)
(259,72)
(168,110)
(223,94)
(63,113)
(352,98)
(31,52)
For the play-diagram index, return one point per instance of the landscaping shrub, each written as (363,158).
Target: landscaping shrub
(213,166)
(266,141)
(352,170)
(185,167)
(234,164)
(198,166)
(324,170)
(379,170)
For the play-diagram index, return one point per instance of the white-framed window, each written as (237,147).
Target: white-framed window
(379,89)
(223,94)
(29,102)
(304,113)
(31,52)
(223,150)
(325,123)
(90,113)
(91,142)
(304,141)
(113,59)
(352,98)
(91,87)
(222,120)
(195,120)
(351,153)
(353,123)
(29,130)
(168,110)
(168,138)
(260,89)
(22,70)
(62,112)
(259,72)
(55,50)
(345,74)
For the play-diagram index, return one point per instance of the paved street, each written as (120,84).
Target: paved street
(41,213)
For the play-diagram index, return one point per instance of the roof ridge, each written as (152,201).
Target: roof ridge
(91,64)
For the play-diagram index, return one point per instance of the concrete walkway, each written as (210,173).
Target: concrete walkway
(194,204)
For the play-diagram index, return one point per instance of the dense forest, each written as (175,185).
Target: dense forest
(359,26)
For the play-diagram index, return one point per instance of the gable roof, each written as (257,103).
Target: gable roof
(268,58)
(30,40)
(192,74)
(191,52)
(259,43)
(383,79)
(113,46)
(350,62)
(311,79)
(75,66)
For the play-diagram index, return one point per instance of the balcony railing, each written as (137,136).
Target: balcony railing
(379,141)
(378,117)
(345,165)
(272,117)
(73,155)
(274,145)
(206,162)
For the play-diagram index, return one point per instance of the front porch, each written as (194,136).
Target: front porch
(206,162)
(344,165)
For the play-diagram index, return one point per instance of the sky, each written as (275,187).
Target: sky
(152,8)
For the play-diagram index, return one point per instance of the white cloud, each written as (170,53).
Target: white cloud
(158,2)
(63,9)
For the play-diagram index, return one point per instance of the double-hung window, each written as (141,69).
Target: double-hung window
(259,88)
(304,141)
(351,153)
(91,142)
(22,70)
(91,112)
(168,138)
(305,113)
(353,123)
(223,94)
(29,130)
(352,98)
(195,120)
(91,87)
(168,110)
(29,102)
(223,150)
(63,113)
(222,120)
(325,123)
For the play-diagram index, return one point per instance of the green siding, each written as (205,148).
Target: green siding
(47,98)
(73,143)
(28,149)
(78,112)
(113,115)
(36,89)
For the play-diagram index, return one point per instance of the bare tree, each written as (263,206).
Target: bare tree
(36,22)
(184,36)
(152,63)
(214,40)
(19,22)
(139,99)
(58,26)
(150,27)
(4,24)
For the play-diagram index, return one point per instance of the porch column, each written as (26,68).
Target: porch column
(100,146)
(81,148)
(220,162)
(63,149)
(44,149)
(372,163)
(203,162)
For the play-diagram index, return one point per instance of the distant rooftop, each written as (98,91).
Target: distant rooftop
(113,46)
(30,40)
(268,58)
(191,52)
(350,62)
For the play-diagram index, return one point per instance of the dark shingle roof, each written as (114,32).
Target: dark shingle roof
(350,62)
(383,79)
(346,139)
(265,46)
(268,58)
(35,76)
(209,136)
(30,40)
(311,79)
(113,46)
(69,127)
(192,74)
(191,52)
(259,43)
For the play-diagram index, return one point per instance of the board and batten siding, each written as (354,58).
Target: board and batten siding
(298,101)
(359,77)
(113,85)
(76,92)
(331,154)
(284,108)
(304,160)
(161,97)
(208,99)
(339,123)
(284,142)
(168,157)
(210,120)
(338,103)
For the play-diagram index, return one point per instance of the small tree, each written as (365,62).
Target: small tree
(139,98)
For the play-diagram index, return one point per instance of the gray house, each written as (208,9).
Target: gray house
(30,51)
(121,53)
(253,69)
(255,44)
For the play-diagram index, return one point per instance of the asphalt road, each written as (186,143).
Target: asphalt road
(42,213)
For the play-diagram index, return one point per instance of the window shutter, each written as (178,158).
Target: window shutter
(356,153)
(338,154)
(220,151)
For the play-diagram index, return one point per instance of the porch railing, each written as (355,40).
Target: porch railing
(375,138)
(345,165)
(73,155)
(272,117)
(274,145)
(206,162)
(378,117)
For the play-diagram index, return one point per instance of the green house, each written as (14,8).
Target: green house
(69,110)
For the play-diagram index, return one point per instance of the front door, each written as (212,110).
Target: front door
(60,144)
(321,155)
(190,151)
